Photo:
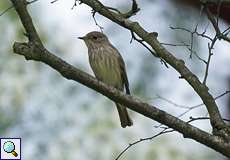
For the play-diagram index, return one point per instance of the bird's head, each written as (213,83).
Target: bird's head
(94,38)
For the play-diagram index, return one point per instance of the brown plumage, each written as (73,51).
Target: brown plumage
(109,67)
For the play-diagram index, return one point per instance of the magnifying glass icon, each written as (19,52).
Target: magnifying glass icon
(9,147)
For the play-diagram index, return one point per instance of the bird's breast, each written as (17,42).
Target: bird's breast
(105,66)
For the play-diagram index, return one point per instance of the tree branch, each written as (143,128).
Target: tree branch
(6,10)
(20,7)
(164,131)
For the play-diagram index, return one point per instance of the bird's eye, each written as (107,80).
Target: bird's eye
(94,37)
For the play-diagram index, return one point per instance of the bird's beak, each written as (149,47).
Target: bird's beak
(82,38)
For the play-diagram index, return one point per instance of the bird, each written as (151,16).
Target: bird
(109,67)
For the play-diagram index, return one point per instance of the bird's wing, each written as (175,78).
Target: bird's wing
(123,70)
(124,75)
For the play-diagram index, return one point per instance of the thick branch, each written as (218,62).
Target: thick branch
(20,7)
(201,89)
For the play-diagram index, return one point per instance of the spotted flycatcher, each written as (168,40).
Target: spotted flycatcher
(109,67)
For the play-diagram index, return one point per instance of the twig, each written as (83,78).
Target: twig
(188,108)
(191,48)
(133,37)
(226,31)
(197,56)
(75,4)
(223,94)
(54,1)
(175,45)
(30,2)
(192,32)
(195,32)
(210,48)
(93,15)
(171,102)
(192,119)
(164,131)
(201,104)
(6,10)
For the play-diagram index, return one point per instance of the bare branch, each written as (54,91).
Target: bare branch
(26,20)
(192,119)
(192,32)
(6,10)
(210,48)
(175,45)
(95,21)
(188,109)
(133,37)
(171,102)
(223,94)
(30,2)
(226,31)
(53,1)
(164,131)
(201,104)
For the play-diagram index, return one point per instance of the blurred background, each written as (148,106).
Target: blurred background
(61,119)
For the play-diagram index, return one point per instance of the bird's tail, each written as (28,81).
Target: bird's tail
(124,116)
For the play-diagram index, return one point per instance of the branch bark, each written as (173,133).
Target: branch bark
(34,50)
